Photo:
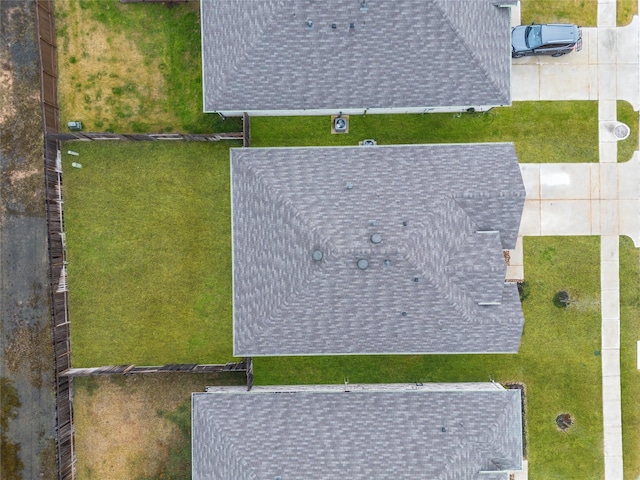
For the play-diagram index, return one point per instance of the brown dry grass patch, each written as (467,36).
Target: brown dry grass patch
(28,352)
(98,62)
(120,432)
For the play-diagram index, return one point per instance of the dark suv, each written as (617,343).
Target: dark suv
(555,39)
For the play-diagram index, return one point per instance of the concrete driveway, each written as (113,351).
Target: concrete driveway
(608,55)
(582,199)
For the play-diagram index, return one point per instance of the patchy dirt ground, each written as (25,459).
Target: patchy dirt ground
(26,357)
(92,69)
(123,426)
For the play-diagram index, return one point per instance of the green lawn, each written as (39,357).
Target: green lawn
(149,251)
(629,373)
(541,131)
(580,12)
(626,114)
(559,361)
(625,10)
(132,67)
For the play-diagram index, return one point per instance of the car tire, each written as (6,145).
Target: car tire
(558,54)
(517,55)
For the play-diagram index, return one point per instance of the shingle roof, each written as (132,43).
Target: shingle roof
(434,285)
(324,433)
(262,55)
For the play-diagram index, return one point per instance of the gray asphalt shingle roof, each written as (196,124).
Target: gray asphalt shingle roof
(434,284)
(395,432)
(262,55)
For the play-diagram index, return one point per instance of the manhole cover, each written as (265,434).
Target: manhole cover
(621,131)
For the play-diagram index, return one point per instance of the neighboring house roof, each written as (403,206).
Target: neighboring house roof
(445,432)
(262,55)
(435,283)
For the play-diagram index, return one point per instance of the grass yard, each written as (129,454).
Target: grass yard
(543,132)
(138,426)
(132,67)
(559,361)
(625,114)
(625,10)
(580,12)
(532,126)
(149,251)
(629,373)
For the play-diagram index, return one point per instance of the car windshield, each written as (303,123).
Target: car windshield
(533,36)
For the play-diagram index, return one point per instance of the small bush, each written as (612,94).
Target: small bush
(561,299)
(524,289)
(564,421)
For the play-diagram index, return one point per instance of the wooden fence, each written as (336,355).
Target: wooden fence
(48,65)
(146,137)
(172,368)
(65,452)
(246,130)
(249,373)
(59,301)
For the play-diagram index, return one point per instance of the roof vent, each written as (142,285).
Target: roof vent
(349,186)
(363,6)
(387,263)
(334,25)
(317,255)
(309,23)
(416,279)
(404,224)
(376,238)
(363,264)
(372,223)
(352,26)
(404,314)
(443,429)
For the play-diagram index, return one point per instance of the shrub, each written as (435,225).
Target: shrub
(561,299)
(524,289)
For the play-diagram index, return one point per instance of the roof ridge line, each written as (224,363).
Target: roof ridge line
(495,431)
(227,447)
(446,293)
(244,55)
(287,204)
(478,63)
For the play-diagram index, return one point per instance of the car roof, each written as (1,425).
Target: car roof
(555,32)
